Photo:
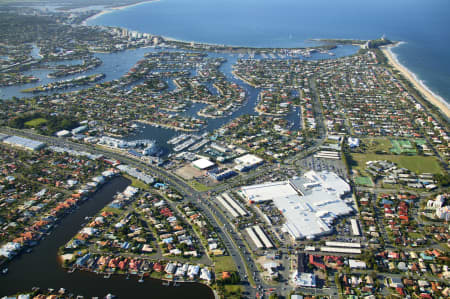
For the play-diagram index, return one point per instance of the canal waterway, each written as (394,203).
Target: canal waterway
(422,25)
(115,65)
(40,268)
(162,135)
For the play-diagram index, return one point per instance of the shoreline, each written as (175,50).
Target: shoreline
(107,10)
(60,260)
(166,126)
(424,90)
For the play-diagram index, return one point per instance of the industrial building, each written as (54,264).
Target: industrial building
(310,204)
(231,205)
(355,227)
(259,237)
(340,250)
(247,162)
(24,143)
(342,244)
(63,133)
(262,236)
(79,130)
(220,174)
(328,155)
(203,164)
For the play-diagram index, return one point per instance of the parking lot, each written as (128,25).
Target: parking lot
(320,164)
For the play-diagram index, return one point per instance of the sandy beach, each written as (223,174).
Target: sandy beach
(426,93)
(111,9)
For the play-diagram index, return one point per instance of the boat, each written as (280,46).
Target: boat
(177,139)
(151,149)
(185,145)
(199,144)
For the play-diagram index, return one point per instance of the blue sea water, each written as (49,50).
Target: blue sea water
(422,25)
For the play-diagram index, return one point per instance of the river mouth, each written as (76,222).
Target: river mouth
(41,267)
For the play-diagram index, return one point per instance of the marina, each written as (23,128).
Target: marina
(199,145)
(178,139)
(185,144)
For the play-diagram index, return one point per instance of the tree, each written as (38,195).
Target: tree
(442,179)
(234,278)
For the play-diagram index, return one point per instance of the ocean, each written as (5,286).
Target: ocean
(421,25)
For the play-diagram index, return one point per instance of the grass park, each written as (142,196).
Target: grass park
(416,164)
(36,122)
(224,263)
(233,291)
(199,186)
(137,183)
(391,145)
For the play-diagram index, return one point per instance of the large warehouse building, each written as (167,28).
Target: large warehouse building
(24,143)
(310,204)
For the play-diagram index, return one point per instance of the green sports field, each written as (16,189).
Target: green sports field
(417,164)
(363,181)
(402,146)
(34,123)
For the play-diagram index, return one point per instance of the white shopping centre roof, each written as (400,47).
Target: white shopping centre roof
(311,212)
(328,180)
(270,191)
